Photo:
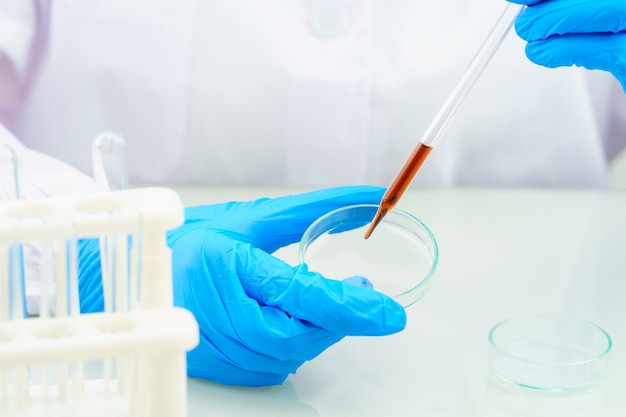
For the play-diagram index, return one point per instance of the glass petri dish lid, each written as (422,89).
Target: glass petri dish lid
(399,259)
(549,352)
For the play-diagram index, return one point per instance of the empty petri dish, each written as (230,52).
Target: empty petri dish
(399,259)
(549,352)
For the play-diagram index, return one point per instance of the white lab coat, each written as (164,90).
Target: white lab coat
(311,92)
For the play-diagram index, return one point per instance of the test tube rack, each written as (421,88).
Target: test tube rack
(136,348)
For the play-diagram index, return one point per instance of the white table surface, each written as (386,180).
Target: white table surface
(502,253)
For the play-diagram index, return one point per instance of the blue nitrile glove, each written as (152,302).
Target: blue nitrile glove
(586,33)
(260,318)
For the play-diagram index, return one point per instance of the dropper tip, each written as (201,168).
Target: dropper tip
(377,218)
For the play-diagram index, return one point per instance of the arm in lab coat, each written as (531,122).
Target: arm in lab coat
(39,175)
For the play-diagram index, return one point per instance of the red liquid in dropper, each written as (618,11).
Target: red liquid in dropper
(400,183)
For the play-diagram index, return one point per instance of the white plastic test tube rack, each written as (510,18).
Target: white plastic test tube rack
(138,344)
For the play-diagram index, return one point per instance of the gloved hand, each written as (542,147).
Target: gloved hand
(260,319)
(587,33)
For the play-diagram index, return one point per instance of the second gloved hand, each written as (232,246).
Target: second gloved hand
(260,318)
(587,33)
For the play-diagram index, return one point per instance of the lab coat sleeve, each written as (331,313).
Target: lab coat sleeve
(39,176)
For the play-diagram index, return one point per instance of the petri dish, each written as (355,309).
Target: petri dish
(549,352)
(399,259)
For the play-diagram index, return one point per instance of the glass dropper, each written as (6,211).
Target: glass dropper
(444,117)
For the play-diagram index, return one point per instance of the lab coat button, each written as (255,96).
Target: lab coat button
(329,19)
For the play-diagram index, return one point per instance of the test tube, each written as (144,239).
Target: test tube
(9,172)
(109,162)
(9,187)
(111,174)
